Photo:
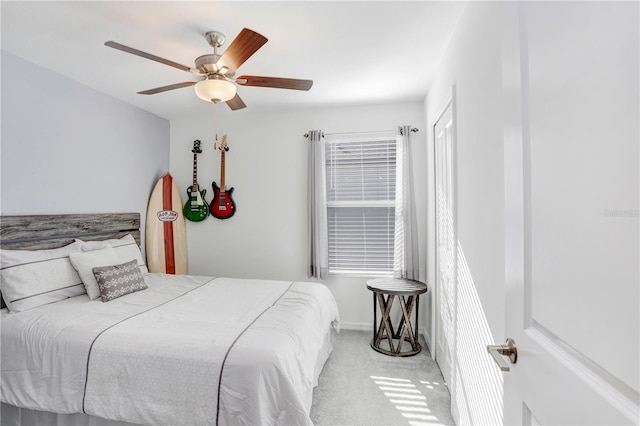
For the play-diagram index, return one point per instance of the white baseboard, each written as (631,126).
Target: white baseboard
(348,325)
(428,342)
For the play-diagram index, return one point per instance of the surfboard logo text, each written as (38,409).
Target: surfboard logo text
(167,215)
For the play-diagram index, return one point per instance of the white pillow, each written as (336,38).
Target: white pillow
(18,257)
(32,278)
(84,262)
(126,247)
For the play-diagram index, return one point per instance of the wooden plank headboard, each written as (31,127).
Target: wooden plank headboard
(35,232)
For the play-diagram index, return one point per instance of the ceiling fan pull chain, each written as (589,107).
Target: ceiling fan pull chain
(215,125)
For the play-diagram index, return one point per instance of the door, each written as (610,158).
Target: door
(445,244)
(571,202)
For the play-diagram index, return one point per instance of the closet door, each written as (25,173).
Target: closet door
(445,244)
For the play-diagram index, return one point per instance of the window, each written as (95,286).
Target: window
(361,183)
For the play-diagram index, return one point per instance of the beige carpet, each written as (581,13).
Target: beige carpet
(359,386)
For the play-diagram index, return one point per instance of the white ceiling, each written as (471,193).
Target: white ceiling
(355,52)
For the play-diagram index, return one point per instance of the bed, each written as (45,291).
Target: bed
(149,348)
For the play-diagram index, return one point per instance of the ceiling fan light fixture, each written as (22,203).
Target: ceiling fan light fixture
(215,90)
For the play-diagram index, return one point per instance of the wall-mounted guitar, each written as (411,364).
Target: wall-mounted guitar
(196,208)
(222,206)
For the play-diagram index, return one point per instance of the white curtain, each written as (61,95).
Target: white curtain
(318,253)
(405,254)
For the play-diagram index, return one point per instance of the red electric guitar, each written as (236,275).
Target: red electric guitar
(222,206)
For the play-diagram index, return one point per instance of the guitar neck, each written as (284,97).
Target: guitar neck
(195,171)
(222,184)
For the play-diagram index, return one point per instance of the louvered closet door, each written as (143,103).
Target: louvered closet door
(445,243)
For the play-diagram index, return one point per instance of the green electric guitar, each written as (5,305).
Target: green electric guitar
(196,208)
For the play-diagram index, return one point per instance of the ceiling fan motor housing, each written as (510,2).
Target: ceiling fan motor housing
(207,63)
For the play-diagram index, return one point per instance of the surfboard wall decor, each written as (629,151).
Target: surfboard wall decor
(166,229)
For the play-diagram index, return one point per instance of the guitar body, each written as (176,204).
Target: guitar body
(196,208)
(222,206)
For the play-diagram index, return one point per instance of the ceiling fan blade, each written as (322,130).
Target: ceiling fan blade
(241,48)
(146,55)
(278,83)
(166,88)
(236,103)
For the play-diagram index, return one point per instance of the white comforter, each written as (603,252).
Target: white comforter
(188,350)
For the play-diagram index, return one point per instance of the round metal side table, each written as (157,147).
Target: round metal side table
(385,292)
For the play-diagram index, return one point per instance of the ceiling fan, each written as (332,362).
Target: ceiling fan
(218,71)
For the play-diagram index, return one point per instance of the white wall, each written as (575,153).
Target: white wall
(267,166)
(67,148)
(472,67)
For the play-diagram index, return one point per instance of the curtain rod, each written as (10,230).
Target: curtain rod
(414,130)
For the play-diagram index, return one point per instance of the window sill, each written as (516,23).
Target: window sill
(362,274)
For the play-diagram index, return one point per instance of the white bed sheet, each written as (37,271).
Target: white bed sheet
(275,356)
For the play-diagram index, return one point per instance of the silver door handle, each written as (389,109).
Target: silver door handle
(508,349)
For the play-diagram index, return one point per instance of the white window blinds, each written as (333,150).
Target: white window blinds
(361,176)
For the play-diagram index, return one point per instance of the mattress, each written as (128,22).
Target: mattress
(187,350)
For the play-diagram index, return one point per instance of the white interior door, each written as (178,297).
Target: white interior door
(571,190)
(445,244)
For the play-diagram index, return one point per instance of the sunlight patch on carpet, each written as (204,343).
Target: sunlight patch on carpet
(409,399)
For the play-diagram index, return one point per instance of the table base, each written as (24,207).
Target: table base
(393,352)
(385,331)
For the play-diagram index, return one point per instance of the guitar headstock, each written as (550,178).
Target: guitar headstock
(196,147)
(224,145)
